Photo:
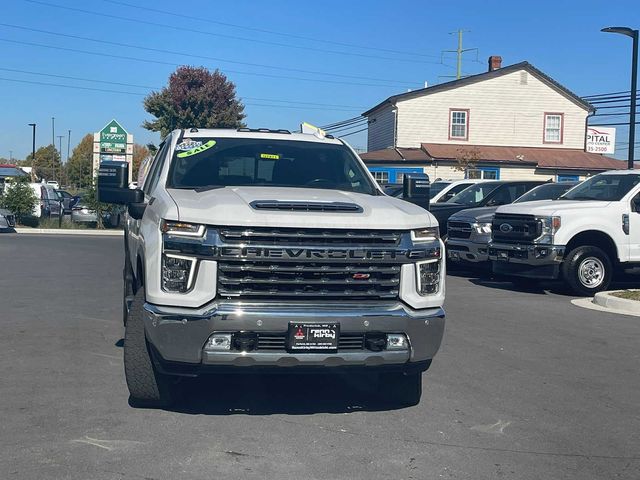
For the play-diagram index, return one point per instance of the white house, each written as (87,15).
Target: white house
(508,123)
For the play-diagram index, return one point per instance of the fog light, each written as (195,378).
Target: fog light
(397,341)
(541,252)
(219,342)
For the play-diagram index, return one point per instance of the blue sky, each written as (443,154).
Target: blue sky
(562,38)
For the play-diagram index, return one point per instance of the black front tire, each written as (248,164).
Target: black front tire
(147,386)
(404,388)
(587,270)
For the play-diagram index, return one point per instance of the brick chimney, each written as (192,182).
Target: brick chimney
(495,62)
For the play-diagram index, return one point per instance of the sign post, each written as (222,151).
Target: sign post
(112,144)
(601,140)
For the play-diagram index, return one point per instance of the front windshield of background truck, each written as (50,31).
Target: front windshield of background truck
(437,187)
(221,162)
(607,188)
(475,194)
(548,191)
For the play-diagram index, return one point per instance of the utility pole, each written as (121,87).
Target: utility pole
(53,144)
(68,144)
(10,156)
(459,52)
(33,150)
(60,137)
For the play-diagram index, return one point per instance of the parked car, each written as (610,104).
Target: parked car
(7,219)
(486,194)
(82,213)
(68,201)
(469,231)
(441,190)
(49,201)
(54,184)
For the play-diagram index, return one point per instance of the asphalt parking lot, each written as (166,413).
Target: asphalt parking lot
(526,386)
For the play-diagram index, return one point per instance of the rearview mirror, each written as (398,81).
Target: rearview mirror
(113,184)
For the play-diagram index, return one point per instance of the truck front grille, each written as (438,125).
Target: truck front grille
(309,236)
(303,281)
(512,228)
(278,341)
(458,229)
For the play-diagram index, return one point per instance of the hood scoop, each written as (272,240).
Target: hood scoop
(295,206)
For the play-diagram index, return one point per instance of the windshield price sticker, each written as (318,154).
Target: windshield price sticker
(188,145)
(197,150)
(270,156)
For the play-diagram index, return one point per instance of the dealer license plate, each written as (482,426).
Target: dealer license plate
(313,336)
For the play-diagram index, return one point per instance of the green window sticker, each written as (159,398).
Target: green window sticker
(270,156)
(197,150)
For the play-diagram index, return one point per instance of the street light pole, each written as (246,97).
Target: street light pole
(68,144)
(634,87)
(33,149)
(53,144)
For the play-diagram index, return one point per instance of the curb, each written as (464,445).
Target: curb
(607,300)
(63,231)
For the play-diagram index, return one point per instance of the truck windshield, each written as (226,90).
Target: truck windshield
(219,162)
(475,194)
(608,188)
(437,187)
(549,191)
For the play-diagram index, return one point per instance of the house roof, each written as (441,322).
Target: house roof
(549,158)
(396,155)
(486,76)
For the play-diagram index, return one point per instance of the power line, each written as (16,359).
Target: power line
(78,87)
(67,77)
(202,57)
(271,32)
(626,92)
(233,37)
(346,124)
(174,65)
(352,133)
(612,124)
(342,122)
(349,127)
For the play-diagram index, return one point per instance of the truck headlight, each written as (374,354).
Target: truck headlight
(181,228)
(427,234)
(483,228)
(428,280)
(550,226)
(177,273)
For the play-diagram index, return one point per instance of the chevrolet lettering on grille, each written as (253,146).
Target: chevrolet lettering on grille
(400,255)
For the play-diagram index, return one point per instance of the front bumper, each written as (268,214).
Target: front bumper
(531,261)
(466,250)
(178,335)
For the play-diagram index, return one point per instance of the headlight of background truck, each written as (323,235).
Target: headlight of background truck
(550,226)
(483,228)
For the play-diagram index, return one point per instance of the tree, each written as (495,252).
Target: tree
(80,163)
(467,159)
(140,152)
(47,163)
(19,198)
(194,97)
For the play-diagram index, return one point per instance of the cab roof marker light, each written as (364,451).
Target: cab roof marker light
(181,228)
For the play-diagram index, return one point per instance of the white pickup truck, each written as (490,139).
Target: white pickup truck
(582,237)
(270,250)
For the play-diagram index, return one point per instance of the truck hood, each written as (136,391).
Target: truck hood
(231,206)
(481,214)
(543,208)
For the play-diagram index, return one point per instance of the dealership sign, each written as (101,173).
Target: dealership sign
(601,140)
(112,143)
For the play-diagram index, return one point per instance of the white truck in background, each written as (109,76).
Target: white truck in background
(583,237)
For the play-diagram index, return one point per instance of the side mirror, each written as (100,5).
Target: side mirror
(113,184)
(416,189)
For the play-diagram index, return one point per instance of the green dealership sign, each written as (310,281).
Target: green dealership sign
(113,138)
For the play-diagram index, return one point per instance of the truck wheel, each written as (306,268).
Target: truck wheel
(147,387)
(401,388)
(587,270)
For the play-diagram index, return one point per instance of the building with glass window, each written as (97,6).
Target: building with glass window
(509,123)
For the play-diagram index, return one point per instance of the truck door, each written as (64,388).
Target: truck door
(633,226)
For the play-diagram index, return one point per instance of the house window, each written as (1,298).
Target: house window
(381,176)
(458,124)
(553,123)
(484,173)
(568,178)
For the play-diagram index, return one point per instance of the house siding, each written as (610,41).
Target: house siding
(381,131)
(505,110)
